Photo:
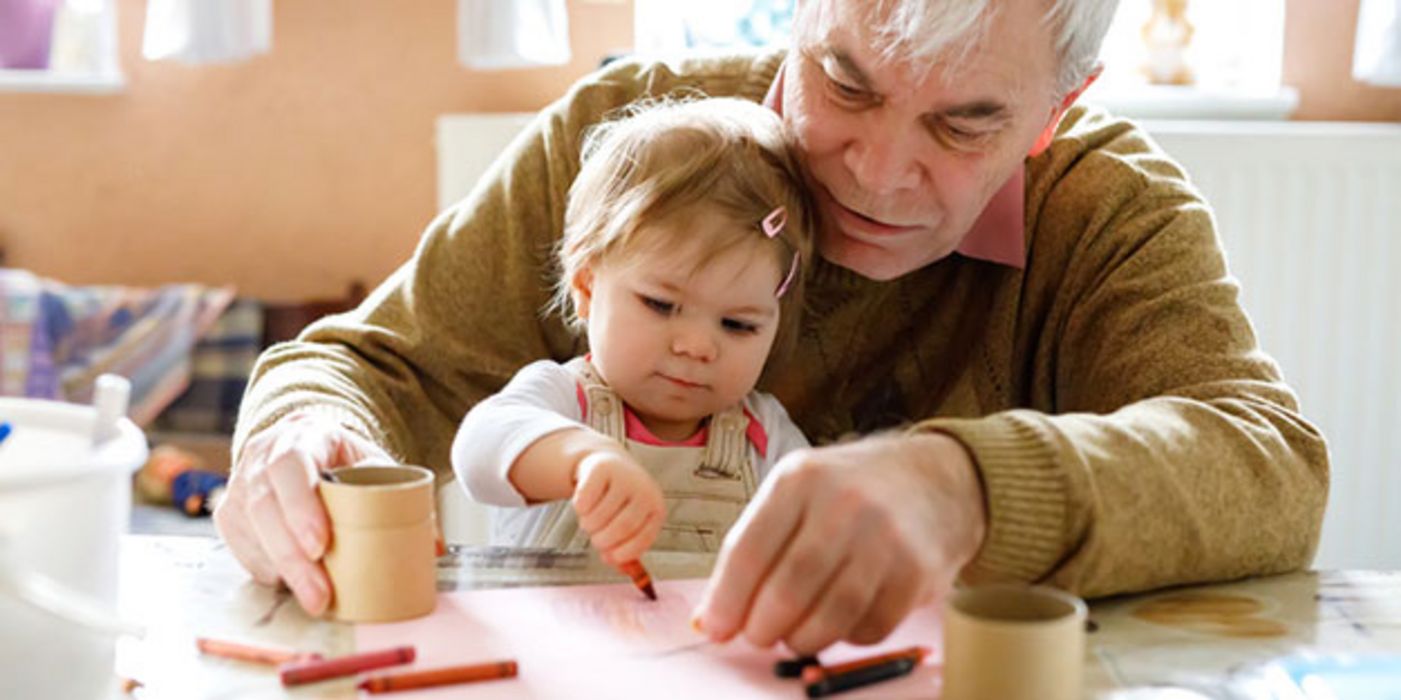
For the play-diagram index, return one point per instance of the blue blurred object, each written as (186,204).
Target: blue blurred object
(191,491)
(4,430)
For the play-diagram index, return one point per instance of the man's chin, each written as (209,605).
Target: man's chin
(869,261)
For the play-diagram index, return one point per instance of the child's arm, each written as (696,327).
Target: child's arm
(618,503)
(540,400)
(526,445)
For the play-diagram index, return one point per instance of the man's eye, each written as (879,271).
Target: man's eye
(662,307)
(737,326)
(846,92)
(966,138)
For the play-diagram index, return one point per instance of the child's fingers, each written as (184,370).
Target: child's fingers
(629,521)
(588,494)
(636,544)
(604,511)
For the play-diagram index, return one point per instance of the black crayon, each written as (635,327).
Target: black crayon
(793,668)
(860,677)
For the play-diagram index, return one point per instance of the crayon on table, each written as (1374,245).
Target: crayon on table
(490,671)
(793,668)
(640,578)
(861,677)
(813,674)
(248,652)
(312,671)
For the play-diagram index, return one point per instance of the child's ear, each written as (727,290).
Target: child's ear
(581,291)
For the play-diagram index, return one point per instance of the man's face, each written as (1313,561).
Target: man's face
(904,160)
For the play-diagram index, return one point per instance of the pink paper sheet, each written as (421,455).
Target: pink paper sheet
(607,641)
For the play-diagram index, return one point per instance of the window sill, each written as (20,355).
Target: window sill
(67,83)
(1170,102)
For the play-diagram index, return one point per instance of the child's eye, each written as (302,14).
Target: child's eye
(662,307)
(737,326)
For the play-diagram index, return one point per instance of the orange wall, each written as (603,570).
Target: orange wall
(292,174)
(1318,45)
(288,175)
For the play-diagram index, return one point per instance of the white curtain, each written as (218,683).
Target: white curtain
(1376,58)
(207,31)
(503,34)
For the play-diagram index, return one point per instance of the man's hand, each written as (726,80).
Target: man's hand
(270,516)
(619,504)
(842,542)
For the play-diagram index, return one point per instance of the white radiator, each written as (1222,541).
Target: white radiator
(1309,214)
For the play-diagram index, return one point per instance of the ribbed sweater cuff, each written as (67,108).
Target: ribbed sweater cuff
(263,418)
(1025,492)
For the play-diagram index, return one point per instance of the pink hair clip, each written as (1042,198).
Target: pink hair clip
(773,225)
(775,221)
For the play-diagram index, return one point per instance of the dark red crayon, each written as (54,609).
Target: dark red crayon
(640,578)
(313,671)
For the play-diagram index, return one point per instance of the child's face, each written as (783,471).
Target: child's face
(677,342)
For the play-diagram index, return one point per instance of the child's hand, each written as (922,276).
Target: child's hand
(619,504)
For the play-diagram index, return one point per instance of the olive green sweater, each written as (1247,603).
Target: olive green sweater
(1128,431)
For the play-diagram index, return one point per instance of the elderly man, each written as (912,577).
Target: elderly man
(1021,304)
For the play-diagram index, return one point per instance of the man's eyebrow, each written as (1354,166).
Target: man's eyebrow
(849,67)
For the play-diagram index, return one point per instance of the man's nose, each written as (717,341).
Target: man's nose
(882,163)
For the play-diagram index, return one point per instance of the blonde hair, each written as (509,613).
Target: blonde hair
(662,159)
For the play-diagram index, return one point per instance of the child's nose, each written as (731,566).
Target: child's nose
(692,341)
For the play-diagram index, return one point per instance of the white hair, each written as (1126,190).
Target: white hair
(926,30)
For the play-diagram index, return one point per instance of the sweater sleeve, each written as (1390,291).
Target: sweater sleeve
(1169,450)
(541,399)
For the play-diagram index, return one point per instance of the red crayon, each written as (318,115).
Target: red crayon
(248,652)
(640,577)
(312,671)
(449,675)
(813,674)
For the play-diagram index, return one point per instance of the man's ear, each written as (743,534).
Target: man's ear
(1044,140)
(581,291)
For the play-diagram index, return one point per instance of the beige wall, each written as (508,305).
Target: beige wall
(296,172)
(288,175)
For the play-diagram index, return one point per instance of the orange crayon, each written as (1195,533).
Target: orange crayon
(447,675)
(813,674)
(640,577)
(247,652)
(323,669)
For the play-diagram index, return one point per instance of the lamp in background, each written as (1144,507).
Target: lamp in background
(1376,58)
(207,31)
(502,34)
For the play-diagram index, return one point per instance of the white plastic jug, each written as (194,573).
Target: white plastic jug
(65,497)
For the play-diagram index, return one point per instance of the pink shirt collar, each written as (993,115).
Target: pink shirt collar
(999,234)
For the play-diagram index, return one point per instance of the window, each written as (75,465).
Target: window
(59,46)
(667,26)
(1234,53)
(1233,61)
